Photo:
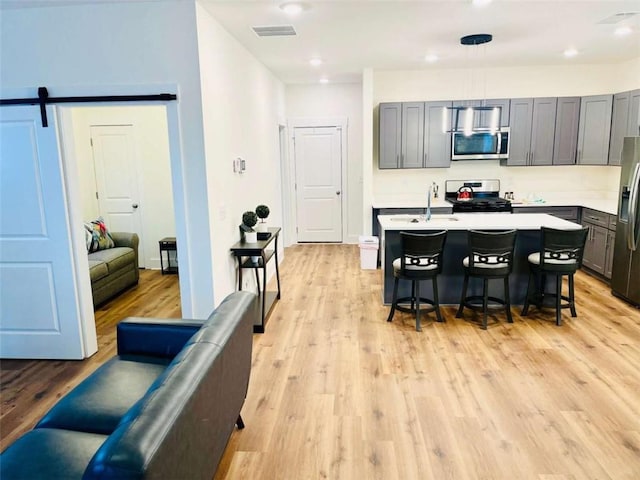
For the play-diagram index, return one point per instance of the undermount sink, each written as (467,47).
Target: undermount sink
(420,219)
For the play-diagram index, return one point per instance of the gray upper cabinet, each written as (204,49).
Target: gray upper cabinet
(633,124)
(437,143)
(390,135)
(594,129)
(565,146)
(412,153)
(619,126)
(543,131)
(504,104)
(532,131)
(520,132)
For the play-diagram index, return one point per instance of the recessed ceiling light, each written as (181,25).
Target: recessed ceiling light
(622,31)
(293,8)
(431,58)
(324,80)
(570,52)
(315,62)
(480,3)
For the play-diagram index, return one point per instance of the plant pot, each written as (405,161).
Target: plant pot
(261,227)
(250,237)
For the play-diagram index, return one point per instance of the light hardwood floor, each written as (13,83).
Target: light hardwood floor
(337,392)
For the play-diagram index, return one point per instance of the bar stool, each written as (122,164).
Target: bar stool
(421,259)
(561,254)
(490,257)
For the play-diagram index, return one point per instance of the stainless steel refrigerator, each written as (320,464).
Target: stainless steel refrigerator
(625,282)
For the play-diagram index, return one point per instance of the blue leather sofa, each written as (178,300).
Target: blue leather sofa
(164,407)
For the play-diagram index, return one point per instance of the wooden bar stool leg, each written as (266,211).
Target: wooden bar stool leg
(572,297)
(418,326)
(465,284)
(558,298)
(527,298)
(436,300)
(485,301)
(393,301)
(507,300)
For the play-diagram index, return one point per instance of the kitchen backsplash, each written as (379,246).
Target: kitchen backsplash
(546,183)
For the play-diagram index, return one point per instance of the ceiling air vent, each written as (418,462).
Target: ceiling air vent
(274,31)
(618,17)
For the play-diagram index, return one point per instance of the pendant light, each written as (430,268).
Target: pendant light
(463,118)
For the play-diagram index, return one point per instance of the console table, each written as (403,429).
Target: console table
(243,251)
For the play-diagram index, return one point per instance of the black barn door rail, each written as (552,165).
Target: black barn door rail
(43,99)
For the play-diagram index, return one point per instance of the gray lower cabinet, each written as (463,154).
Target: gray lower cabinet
(598,249)
(565,143)
(571,214)
(608,262)
(594,130)
(390,121)
(532,131)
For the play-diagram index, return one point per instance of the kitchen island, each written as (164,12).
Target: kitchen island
(455,249)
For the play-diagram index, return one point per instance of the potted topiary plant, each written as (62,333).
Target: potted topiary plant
(249,220)
(262,211)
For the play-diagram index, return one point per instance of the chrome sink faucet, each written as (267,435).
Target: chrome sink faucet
(427,216)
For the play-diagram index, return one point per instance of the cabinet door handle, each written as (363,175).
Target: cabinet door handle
(532,158)
(578,157)
(527,158)
(397,160)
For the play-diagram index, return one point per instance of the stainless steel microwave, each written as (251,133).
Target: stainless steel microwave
(480,145)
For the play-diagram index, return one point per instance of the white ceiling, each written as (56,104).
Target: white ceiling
(351,35)
(396,35)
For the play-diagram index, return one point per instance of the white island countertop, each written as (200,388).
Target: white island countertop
(475,221)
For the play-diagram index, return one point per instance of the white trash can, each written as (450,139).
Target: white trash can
(368,252)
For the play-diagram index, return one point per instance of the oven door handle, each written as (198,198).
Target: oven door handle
(499,143)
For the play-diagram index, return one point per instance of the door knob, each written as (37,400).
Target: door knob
(135,205)
(338,192)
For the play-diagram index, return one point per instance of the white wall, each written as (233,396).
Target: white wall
(153,167)
(243,106)
(127,48)
(451,84)
(339,100)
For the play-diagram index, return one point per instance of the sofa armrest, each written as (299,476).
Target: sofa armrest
(155,336)
(127,239)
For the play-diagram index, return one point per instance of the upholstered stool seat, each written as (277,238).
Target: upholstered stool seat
(560,255)
(490,257)
(421,259)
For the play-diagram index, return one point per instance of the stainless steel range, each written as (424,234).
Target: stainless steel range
(481,196)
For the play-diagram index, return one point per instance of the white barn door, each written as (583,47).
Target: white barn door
(39,307)
(318,163)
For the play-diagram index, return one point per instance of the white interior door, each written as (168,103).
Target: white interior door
(114,157)
(318,163)
(39,304)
